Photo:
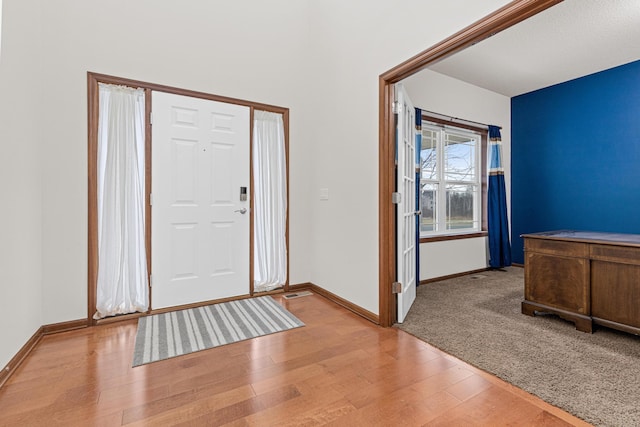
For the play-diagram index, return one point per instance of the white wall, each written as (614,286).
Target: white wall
(355,42)
(448,257)
(20,177)
(244,49)
(321,59)
(442,94)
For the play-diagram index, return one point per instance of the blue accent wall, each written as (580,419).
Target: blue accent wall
(575,156)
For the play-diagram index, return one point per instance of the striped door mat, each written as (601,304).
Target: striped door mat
(166,335)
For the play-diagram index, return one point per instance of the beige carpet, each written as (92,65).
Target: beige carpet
(477,319)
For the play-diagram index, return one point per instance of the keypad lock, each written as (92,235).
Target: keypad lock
(243,194)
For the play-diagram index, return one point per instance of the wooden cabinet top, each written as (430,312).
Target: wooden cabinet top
(619,239)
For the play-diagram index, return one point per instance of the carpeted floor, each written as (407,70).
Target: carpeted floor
(477,319)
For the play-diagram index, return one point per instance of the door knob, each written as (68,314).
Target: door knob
(242,211)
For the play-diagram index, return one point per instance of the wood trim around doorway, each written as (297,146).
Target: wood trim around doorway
(505,17)
(93,79)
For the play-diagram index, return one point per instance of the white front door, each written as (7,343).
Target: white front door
(200,224)
(406,209)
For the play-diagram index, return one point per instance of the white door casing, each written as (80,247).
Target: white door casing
(200,226)
(406,209)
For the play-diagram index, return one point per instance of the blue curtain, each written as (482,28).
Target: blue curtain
(499,245)
(418,206)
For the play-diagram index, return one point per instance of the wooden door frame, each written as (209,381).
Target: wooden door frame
(503,18)
(93,79)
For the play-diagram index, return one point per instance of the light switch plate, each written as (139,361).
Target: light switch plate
(324,194)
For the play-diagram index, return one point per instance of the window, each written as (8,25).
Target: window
(451,184)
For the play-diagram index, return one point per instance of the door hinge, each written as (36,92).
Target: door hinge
(395,107)
(150,199)
(151,280)
(396,198)
(396,288)
(150,117)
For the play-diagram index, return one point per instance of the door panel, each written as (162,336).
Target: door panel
(406,209)
(221,239)
(184,164)
(200,237)
(220,165)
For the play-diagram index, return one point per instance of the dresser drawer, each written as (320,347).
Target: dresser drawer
(620,254)
(557,247)
(560,282)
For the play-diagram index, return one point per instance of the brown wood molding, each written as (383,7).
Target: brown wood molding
(300,286)
(185,92)
(32,342)
(197,304)
(70,325)
(453,237)
(505,17)
(216,301)
(386,214)
(453,276)
(251,206)
(92,221)
(133,316)
(147,186)
(118,318)
(271,292)
(22,354)
(285,119)
(338,300)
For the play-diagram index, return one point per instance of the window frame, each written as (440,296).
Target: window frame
(483,180)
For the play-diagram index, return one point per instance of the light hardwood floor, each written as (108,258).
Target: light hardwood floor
(338,370)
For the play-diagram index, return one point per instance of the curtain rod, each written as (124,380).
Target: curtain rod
(453,119)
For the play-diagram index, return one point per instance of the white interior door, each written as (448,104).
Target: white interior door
(200,225)
(406,209)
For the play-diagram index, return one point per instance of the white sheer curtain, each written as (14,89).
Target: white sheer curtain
(270,201)
(122,260)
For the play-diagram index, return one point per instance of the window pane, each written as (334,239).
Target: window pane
(459,158)
(428,204)
(460,206)
(429,154)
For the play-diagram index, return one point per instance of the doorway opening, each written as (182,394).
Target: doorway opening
(503,18)
(93,81)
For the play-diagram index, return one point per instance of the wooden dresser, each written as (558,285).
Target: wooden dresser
(584,277)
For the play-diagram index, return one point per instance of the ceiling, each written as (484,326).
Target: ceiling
(569,40)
